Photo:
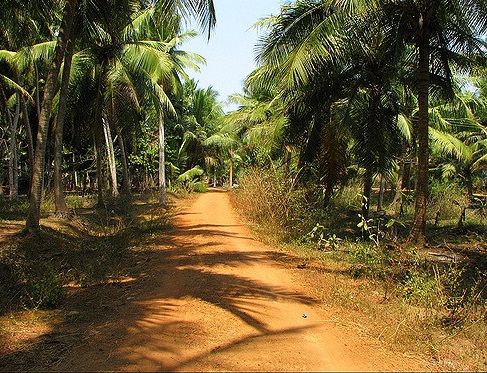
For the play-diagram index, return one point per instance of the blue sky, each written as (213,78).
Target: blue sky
(230,53)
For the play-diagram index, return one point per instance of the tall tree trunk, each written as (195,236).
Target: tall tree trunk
(38,93)
(32,222)
(368,180)
(99,167)
(230,181)
(469,182)
(30,140)
(380,203)
(60,201)
(13,161)
(112,168)
(313,143)
(125,166)
(162,163)
(400,178)
(418,229)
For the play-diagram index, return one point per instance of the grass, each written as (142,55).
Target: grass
(98,245)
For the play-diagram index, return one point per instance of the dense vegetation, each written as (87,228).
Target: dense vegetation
(362,133)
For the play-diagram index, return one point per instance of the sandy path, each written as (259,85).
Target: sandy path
(213,298)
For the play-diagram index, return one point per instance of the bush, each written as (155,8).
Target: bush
(267,199)
(200,187)
(447,202)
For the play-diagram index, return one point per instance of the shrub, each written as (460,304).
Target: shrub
(268,199)
(447,202)
(200,187)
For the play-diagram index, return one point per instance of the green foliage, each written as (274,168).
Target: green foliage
(433,287)
(322,239)
(13,209)
(200,187)
(447,201)
(190,175)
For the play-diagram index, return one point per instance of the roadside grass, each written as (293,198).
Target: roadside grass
(96,246)
(431,301)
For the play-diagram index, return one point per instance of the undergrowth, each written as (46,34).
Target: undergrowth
(97,245)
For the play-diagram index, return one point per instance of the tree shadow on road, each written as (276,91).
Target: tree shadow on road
(137,322)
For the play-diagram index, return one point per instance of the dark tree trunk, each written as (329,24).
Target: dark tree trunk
(418,229)
(60,201)
(30,140)
(99,167)
(125,168)
(400,178)
(368,180)
(162,163)
(13,161)
(32,222)
(380,203)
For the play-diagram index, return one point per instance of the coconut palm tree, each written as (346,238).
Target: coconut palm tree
(32,222)
(202,10)
(444,34)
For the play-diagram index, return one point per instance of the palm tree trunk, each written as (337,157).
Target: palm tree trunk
(99,167)
(59,200)
(32,222)
(381,193)
(13,162)
(38,93)
(400,178)
(28,130)
(312,145)
(368,180)
(112,169)
(125,166)
(418,229)
(469,182)
(230,181)
(162,163)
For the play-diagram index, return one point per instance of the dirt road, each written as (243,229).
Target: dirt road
(215,299)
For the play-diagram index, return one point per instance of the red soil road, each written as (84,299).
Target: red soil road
(215,299)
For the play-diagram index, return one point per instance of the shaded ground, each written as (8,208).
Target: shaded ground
(207,297)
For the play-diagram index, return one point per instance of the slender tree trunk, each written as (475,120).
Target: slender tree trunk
(368,180)
(125,166)
(30,140)
(32,222)
(328,193)
(381,193)
(99,167)
(38,93)
(75,175)
(230,181)
(400,178)
(59,199)
(312,145)
(418,229)
(469,182)
(13,161)
(162,163)
(112,169)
